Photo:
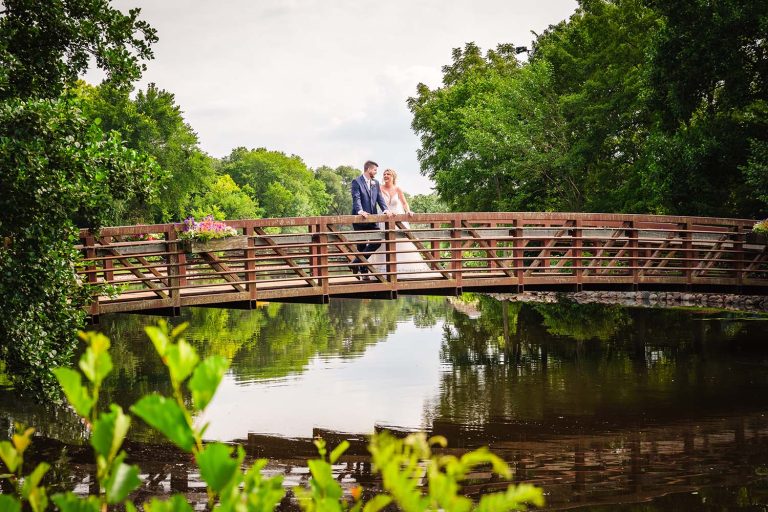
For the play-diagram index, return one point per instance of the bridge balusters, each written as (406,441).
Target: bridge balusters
(250,263)
(174,266)
(91,278)
(633,254)
(456,252)
(576,250)
(391,252)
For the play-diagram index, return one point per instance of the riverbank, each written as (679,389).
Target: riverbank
(752,303)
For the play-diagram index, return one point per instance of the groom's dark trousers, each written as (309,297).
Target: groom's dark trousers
(365,248)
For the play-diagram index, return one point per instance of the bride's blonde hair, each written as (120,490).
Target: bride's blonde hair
(393,173)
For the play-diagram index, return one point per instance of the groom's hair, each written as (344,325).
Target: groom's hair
(369,164)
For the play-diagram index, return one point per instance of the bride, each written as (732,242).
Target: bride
(410,264)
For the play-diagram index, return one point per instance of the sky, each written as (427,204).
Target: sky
(326,80)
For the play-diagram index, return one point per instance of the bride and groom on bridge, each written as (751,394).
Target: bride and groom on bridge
(367,195)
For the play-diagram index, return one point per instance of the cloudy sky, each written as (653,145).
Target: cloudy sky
(326,80)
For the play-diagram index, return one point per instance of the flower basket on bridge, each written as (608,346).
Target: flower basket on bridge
(210,235)
(192,246)
(217,244)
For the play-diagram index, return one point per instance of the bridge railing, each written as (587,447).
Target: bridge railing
(147,267)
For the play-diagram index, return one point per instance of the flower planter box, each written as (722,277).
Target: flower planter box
(757,238)
(219,244)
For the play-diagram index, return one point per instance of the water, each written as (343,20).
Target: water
(605,407)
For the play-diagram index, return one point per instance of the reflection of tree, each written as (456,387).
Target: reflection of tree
(508,365)
(583,321)
(272,341)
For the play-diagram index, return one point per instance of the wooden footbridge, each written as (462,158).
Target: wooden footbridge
(148,268)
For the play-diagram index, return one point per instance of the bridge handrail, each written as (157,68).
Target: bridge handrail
(436,217)
(311,258)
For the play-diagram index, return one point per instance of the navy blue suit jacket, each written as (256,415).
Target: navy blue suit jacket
(363,200)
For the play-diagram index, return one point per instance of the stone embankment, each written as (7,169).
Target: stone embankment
(756,303)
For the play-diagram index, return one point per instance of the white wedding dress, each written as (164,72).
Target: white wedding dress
(410,264)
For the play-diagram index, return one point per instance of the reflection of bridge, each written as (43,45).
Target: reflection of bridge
(307,259)
(575,468)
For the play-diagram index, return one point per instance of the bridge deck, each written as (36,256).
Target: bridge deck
(308,259)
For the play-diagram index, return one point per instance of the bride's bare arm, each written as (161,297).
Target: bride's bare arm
(404,201)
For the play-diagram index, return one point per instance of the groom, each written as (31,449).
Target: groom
(365,196)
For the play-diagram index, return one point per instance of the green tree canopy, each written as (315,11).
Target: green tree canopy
(337,185)
(638,106)
(46,44)
(225,200)
(709,85)
(282,185)
(57,169)
(153,123)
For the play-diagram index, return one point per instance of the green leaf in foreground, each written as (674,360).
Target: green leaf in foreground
(109,431)
(206,379)
(77,394)
(176,503)
(181,359)
(217,468)
(9,503)
(69,502)
(165,416)
(10,456)
(123,480)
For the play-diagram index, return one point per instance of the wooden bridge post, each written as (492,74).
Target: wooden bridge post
(318,255)
(633,255)
(517,253)
(688,254)
(109,275)
(457,254)
(578,244)
(434,244)
(250,264)
(92,278)
(390,248)
(174,266)
(738,248)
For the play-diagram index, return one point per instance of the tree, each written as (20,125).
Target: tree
(598,61)
(427,203)
(225,200)
(154,124)
(337,185)
(56,169)
(493,134)
(708,69)
(282,185)
(47,44)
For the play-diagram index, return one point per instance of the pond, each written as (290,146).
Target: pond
(605,407)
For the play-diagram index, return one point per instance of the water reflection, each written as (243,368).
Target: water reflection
(601,404)
(655,365)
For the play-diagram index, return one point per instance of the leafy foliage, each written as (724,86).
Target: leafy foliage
(402,463)
(282,185)
(337,185)
(628,106)
(57,169)
(47,44)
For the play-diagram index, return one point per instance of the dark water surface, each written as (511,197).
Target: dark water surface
(606,408)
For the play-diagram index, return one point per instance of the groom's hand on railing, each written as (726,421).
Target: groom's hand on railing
(388,213)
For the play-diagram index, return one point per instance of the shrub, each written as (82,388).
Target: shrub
(401,462)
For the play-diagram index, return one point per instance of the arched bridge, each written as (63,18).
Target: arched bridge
(148,268)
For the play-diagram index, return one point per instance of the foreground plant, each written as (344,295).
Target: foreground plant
(403,463)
